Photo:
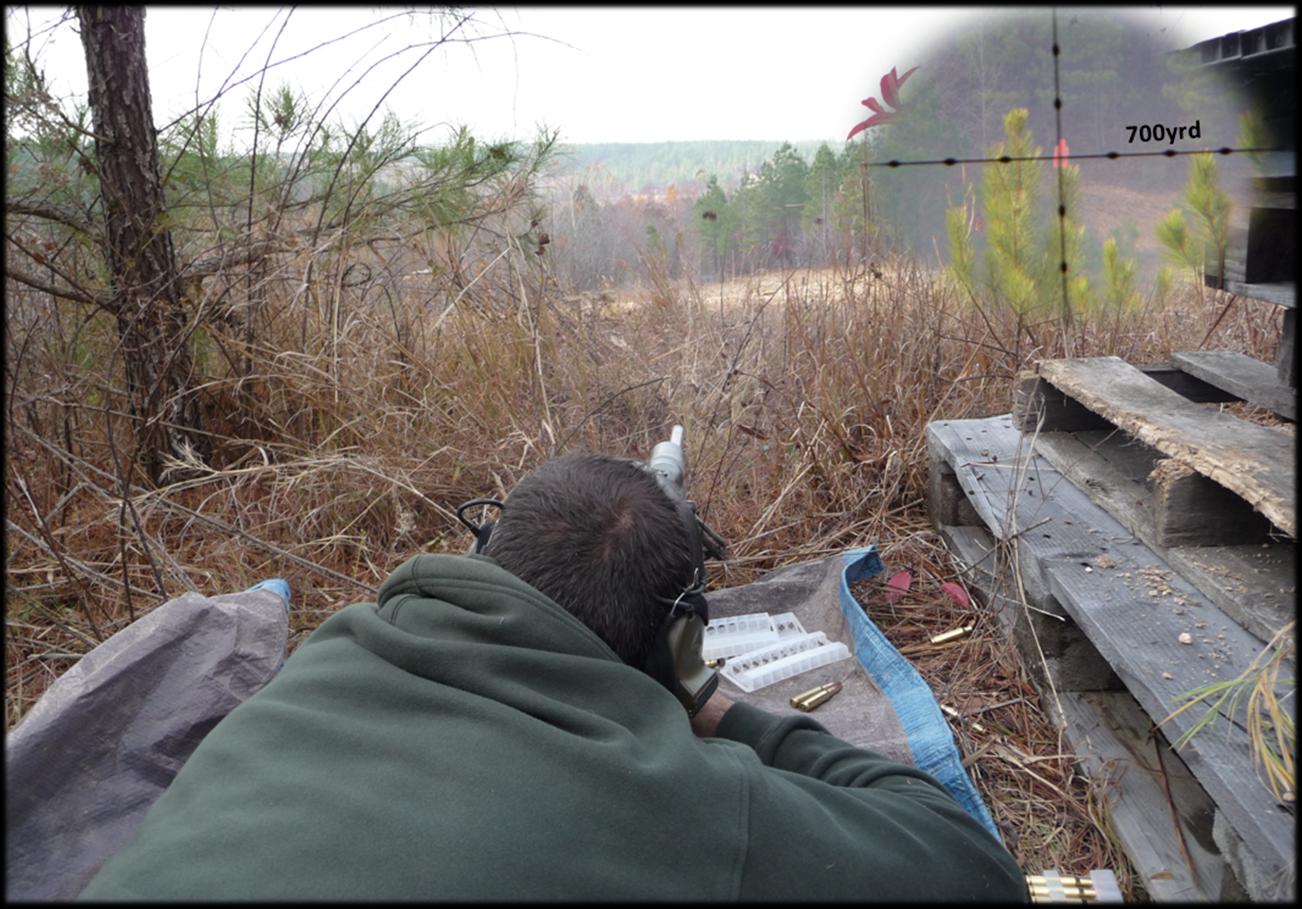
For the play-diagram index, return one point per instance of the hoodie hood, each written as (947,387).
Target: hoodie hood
(472,598)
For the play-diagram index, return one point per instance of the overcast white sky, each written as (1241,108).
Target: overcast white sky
(611,74)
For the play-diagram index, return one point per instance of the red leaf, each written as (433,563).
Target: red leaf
(874,120)
(956,593)
(898,586)
(890,94)
(891,86)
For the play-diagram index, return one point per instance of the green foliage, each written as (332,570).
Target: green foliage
(640,167)
(821,184)
(782,182)
(953,107)
(962,255)
(1025,242)
(1014,256)
(1118,279)
(1209,202)
(1067,242)
(451,178)
(1254,134)
(1177,242)
(1197,235)
(847,206)
(1162,286)
(714,220)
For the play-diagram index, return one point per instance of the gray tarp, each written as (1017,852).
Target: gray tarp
(885,706)
(861,714)
(109,735)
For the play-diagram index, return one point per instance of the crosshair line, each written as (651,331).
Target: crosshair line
(1061,168)
(1112,155)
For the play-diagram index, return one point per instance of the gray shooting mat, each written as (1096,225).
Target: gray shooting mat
(861,714)
(884,706)
(108,736)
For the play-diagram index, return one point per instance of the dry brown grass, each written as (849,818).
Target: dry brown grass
(372,410)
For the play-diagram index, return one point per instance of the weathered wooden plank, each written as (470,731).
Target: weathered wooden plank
(1281,292)
(1255,585)
(1134,609)
(992,513)
(1037,405)
(1110,736)
(1062,411)
(1220,757)
(1191,510)
(1248,378)
(1256,462)
(946,501)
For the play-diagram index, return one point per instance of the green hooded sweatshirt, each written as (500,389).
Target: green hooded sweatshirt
(470,739)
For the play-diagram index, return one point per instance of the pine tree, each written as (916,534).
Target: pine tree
(821,185)
(1024,247)
(1201,245)
(714,223)
(1119,279)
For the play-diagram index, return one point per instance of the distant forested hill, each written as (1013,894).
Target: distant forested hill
(611,169)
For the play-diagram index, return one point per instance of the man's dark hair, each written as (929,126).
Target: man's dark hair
(600,537)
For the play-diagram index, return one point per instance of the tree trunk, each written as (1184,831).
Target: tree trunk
(137,244)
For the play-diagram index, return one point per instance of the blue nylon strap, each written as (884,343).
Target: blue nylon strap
(928,733)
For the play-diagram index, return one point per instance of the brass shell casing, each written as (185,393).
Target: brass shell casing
(815,696)
(947,636)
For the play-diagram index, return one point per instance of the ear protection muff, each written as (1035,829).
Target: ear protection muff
(675,657)
(482,531)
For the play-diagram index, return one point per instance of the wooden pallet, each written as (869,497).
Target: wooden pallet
(1131,606)
(1251,461)
(1254,583)
(1161,816)
(1248,379)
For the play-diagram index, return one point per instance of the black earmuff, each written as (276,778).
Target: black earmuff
(675,657)
(482,531)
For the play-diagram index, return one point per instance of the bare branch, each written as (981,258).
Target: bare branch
(243,255)
(104,301)
(49,213)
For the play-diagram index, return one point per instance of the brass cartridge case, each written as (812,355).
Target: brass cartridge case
(947,636)
(814,697)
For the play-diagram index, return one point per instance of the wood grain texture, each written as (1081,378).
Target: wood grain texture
(1110,735)
(1254,461)
(1255,585)
(1248,378)
(1189,509)
(1133,608)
